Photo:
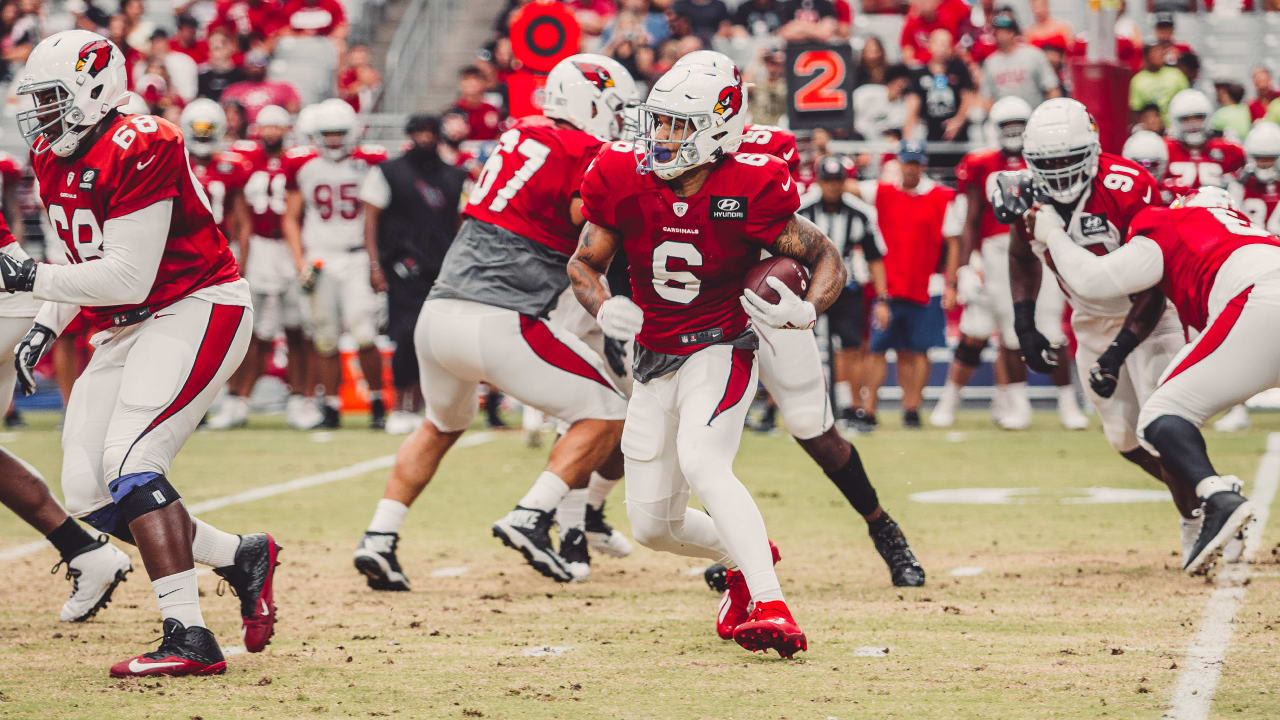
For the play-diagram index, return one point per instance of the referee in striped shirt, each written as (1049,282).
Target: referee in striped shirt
(851,225)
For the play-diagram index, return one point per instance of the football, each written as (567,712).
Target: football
(794,275)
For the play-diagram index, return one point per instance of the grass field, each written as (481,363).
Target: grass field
(1076,610)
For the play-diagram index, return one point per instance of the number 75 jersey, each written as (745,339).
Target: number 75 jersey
(140,160)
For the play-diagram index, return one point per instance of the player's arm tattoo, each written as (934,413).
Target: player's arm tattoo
(802,240)
(1024,267)
(596,248)
(1144,315)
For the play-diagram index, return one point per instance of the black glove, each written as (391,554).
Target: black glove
(1013,196)
(1105,373)
(37,342)
(17,275)
(615,353)
(1037,352)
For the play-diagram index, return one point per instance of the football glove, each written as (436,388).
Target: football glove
(1037,352)
(33,346)
(968,285)
(1012,196)
(17,275)
(789,312)
(1048,221)
(620,318)
(1105,373)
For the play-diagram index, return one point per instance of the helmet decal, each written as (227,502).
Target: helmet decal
(729,102)
(595,74)
(94,57)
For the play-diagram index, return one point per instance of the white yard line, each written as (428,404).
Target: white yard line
(1202,666)
(324,478)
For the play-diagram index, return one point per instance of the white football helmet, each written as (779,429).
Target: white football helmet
(1263,144)
(274,116)
(699,109)
(1061,148)
(203,122)
(1189,112)
(590,92)
(1148,150)
(717,60)
(334,117)
(74,78)
(1205,197)
(133,104)
(1008,118)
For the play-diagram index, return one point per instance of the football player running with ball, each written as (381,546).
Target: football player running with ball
(1123,344)
(692,217)
(148,263)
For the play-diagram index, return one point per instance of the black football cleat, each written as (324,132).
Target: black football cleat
(375,558)
(251,579)
(377,414)
(183,651)
(717,577)
(528,531)
(577,558)
(1225,513)
(911,419)
(892,545)
(331,417)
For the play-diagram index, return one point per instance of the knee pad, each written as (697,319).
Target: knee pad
(649,530)
(107,520)
(137,494)
(968,355)
(1166,430)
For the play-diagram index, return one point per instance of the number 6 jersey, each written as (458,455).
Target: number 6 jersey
(138,161)
(690,255)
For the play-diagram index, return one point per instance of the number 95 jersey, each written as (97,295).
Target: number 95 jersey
(690,255)
(333,219)
(140,160)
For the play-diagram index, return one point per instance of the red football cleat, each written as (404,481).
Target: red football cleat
(771,627)
(252,580)
(183,651)
(736,602)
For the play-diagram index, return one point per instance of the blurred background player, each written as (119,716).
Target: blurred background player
(411,209)
(485,321)
(988,308)
(1196,158)
(324,225)
(1150,150)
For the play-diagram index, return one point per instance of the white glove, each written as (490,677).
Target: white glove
(620,318)
(789,312)
(968,285)
(1048,221)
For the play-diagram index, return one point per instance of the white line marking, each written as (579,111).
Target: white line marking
(450,571)
(1202,666)
(967,570)
(547,650)
(302,483)
(870,651)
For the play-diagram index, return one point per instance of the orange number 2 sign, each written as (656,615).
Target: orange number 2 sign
(824,91)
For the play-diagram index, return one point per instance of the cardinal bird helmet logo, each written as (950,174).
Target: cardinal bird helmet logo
(595,74)
(94,57)
(729,102)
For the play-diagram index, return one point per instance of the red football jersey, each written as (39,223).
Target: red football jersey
(222,175)
(689,255)
(529,180)
(140,160)
(264,191)
(914,226)
(1195,242)
(10,171)
(770,140)
(1259,201)
(1190,168)
(978,169)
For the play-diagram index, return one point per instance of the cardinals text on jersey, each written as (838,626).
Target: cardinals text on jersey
(689,255)
(528,182)
(978,169)
(140,160)
(333,221)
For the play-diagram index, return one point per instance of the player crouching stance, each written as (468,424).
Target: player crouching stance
(1223,275)
(148,262)
(692,216)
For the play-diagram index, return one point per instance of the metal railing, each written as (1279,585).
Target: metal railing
(410,57)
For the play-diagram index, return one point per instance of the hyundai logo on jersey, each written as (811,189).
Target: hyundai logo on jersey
(1093,224)
(728,208)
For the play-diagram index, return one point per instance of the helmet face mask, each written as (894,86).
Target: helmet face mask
(49,119)
(693,116)
(1009,135)
(333,127)
(1061,148)
(1009,117)
(1189,112)
(203,123)
(669,141)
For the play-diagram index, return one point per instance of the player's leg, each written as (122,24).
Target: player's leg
(977,325)
(361,310)
(301,412)
(233,411)
(883,339)
(326,329)
(1051,303)
(403,304)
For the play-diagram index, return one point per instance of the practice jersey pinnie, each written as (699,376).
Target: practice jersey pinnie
(979,169)
(689,255)
(333,221)
(225,173)
(140,160)
(264,190)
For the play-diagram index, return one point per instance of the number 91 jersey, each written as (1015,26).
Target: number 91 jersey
(333,221)
(690,255)
(140,160)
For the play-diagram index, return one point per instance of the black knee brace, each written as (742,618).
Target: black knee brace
(970,355)
(137,494)
(107,520)
(1181,448)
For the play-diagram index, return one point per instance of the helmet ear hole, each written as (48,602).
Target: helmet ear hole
(95,92)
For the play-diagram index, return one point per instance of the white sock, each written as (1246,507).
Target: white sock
(950,395)
(1213,484)
(545,494)
(388,516)
(179,598)
(1067,396)
(1018,399)
(844,394)
(572,510)
(741,529)
(599,488)
(212,546)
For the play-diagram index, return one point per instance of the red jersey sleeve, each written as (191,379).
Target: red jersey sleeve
(600,189)
(774,202)
(965,172)
(154,164)
(294,159)
(1146,223)
(371,154)
(10,168)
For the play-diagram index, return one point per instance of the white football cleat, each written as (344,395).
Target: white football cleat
(94,575)
(301,413)
(1017,409)
(1236,419)
(1069,413)
(232,413)
(1190,531)
(402,423)
(944,413)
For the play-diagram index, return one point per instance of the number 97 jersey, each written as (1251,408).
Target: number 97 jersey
(689,255)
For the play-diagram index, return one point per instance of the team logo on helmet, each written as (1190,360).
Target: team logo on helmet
(94,57)
(595,74)
(729,102)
